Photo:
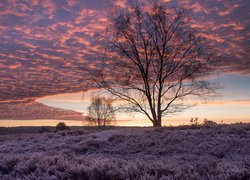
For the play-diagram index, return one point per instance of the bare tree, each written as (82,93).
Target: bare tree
(101,112)
(154,61)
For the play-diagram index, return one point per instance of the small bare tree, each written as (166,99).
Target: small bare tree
(101,112)
(154,61)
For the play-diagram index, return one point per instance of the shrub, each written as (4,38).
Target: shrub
(61,126)
(194,122)
(209,123)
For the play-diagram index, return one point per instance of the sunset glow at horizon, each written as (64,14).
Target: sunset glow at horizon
(45,44)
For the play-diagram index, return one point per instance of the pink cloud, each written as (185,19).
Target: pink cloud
(44,44)
(31,110)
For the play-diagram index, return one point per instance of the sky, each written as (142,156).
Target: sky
(44,44)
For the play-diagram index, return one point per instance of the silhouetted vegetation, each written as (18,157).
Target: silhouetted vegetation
(155,60)
(194,121)
(61,126)
(101,112)
(209,122)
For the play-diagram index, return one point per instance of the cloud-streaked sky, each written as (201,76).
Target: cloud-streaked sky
(29,110)
(45,43)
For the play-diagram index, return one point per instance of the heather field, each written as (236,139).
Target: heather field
(198,152)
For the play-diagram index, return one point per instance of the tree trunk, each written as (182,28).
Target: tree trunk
(157,123)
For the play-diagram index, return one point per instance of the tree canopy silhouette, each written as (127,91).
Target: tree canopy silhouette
(154,61)
(101,112)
